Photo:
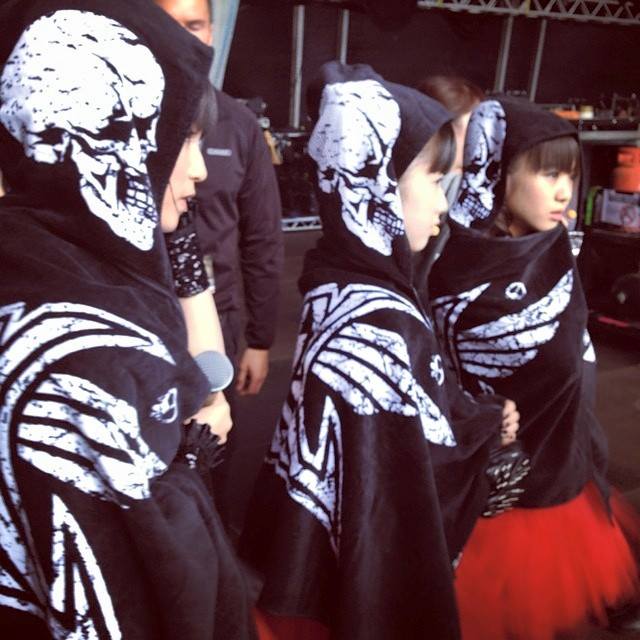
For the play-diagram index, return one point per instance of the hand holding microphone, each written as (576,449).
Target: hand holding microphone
(216,412)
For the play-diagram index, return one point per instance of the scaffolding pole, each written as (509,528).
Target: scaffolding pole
(297,51)
(503,55)
(537,61)
(343,35)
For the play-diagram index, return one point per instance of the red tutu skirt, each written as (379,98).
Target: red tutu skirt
(540,574)
(281,628)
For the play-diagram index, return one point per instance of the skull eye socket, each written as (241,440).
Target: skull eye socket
(143,126)
(117,130)
(53,136)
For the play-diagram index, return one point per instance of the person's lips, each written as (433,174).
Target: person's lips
(557,215)
(183,201)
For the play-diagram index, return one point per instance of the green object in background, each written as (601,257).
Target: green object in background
(590,205)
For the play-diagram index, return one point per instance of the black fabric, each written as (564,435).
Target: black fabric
(239,220)
(225,476)
(103,534)
(347,526)
(512,314)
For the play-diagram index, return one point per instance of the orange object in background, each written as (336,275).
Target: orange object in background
(626,176)
(567,114)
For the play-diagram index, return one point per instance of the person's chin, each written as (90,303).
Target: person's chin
(543,225)
(417,246)
(170,224)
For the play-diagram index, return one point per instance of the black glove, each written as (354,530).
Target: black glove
(185,255)
(508,467)
(200,449)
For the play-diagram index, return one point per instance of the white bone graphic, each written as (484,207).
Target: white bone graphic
(355,165)
(94,100)
(498,348)
(31,343)
(369,368)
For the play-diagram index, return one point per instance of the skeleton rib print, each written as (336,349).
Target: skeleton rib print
(313,478)
(89,437)
(498,348)
(369,367)
(68,428)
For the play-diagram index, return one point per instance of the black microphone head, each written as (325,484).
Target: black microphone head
(217,368)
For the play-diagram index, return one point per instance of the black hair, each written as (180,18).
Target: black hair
(439,152)
(559,154)
(443,144)
(207,111)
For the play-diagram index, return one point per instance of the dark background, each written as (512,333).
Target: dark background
(581,60)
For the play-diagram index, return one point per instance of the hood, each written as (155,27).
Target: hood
(499,129)
(96,99)
(367,132)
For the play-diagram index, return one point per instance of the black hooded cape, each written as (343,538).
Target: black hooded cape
(512,313)
(103,534)
(347,526)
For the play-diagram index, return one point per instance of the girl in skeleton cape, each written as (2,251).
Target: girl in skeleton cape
(346,526)
(106,533)
(508,305)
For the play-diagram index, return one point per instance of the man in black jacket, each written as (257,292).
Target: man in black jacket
(239,221)
(239,230)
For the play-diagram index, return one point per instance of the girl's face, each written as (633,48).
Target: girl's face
(536,200)
(423,202)
(188,170)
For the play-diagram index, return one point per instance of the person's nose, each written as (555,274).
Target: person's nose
(441,202)
(197,165)
(564,188)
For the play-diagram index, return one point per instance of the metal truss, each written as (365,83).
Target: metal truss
(607,11)
(302,223)
(630,137)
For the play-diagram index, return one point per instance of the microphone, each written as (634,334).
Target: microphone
(217,368)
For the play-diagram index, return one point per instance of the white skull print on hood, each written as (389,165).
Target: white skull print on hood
(370,210)
(106,126)
(92,137)
(368,131)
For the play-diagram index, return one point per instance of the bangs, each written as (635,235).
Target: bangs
(207,111)
(439,153)
(442,149)
(560,154)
